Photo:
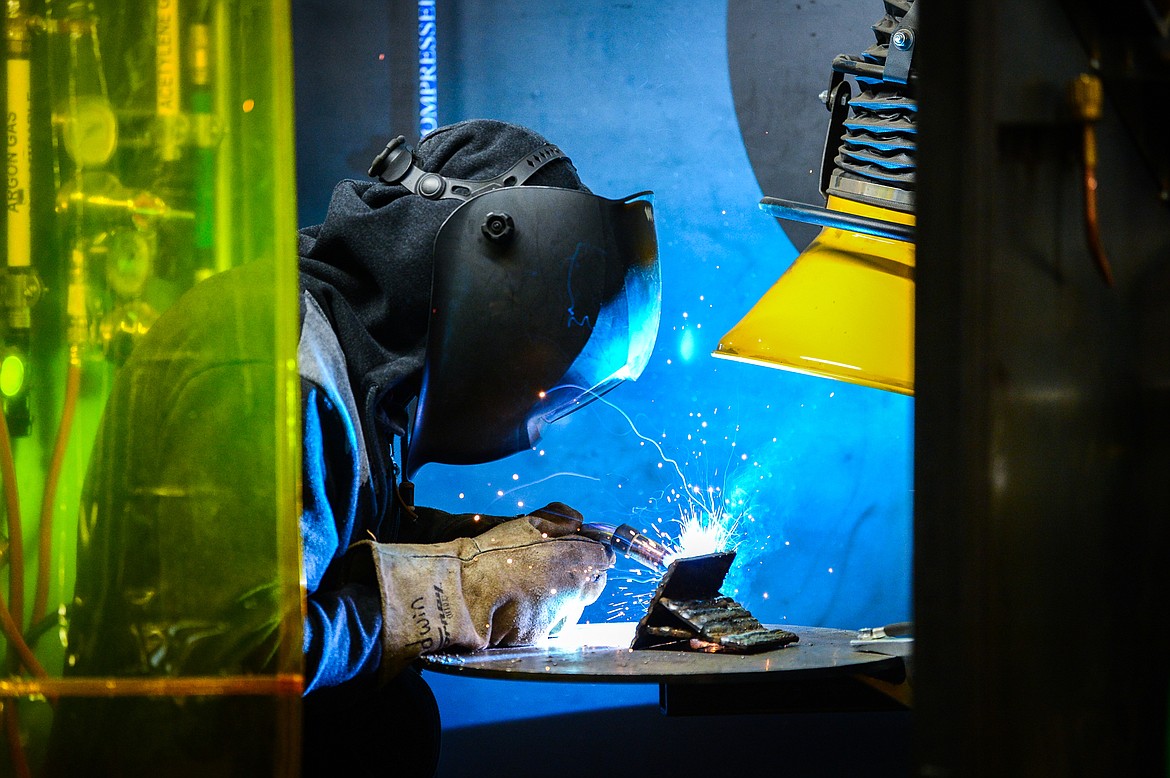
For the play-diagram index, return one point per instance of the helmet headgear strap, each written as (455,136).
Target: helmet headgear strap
(396,164)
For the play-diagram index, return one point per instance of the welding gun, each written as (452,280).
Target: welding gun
(634,544)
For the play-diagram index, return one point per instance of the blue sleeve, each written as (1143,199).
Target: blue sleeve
(343,620)
(342,635)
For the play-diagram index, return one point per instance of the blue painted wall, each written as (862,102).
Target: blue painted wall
(638,93)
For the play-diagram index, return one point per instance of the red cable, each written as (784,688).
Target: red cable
(12,630)
(1092,224)
(15,747)
(52,479)
(15,536)
(10,620)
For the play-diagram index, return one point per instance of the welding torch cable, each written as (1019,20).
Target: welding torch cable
(52,480)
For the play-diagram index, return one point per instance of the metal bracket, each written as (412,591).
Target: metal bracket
(839,95)
(900,53)
(811,214)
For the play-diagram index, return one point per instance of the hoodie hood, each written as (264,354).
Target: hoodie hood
(369,267)
(369,264)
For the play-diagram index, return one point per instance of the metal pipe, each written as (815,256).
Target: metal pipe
(811,214)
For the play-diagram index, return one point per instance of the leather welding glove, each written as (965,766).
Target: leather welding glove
(511,585)
(431,525)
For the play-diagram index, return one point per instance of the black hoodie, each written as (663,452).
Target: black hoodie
(365,276)
(368,266)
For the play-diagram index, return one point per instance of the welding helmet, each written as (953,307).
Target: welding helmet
(542,300)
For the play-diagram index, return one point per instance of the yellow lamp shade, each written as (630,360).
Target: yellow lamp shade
(843,310)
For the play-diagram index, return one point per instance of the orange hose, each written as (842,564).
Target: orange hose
(1092,224)
(15,747)
(15,536)
(16,640)
(280,685)
(10,620)
(52,479)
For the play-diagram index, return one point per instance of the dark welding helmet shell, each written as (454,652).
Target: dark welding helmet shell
(543,299)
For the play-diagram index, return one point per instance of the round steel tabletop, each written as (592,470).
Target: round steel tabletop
(600,653)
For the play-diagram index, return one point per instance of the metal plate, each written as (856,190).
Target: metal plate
(600,653)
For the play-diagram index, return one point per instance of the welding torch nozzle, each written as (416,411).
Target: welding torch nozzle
(631,542)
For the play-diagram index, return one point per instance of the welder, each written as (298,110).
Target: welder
(544,296)
(471,294)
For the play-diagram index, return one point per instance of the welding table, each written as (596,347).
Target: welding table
(822,672)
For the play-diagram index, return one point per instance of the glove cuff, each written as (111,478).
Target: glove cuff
(423,611)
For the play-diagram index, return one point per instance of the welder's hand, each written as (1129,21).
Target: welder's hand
(511,585)
(431,525)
